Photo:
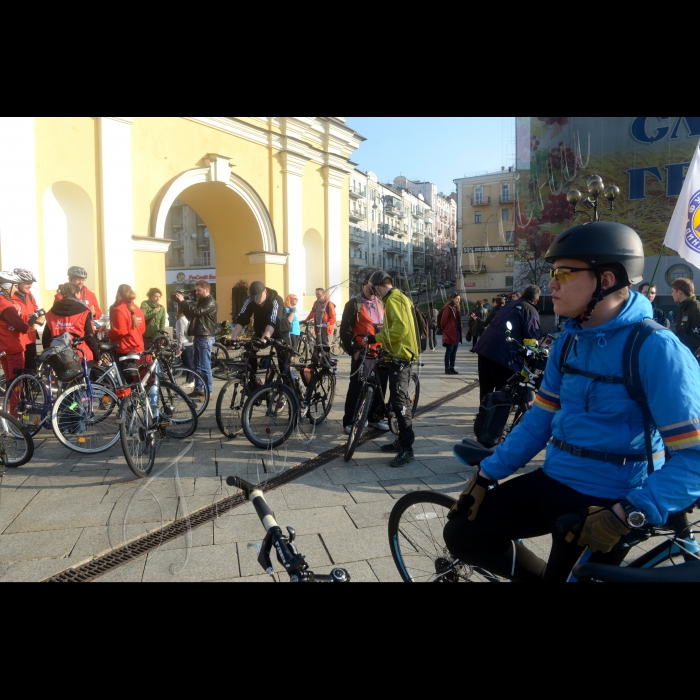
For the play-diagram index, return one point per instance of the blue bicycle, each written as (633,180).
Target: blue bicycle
(418,520)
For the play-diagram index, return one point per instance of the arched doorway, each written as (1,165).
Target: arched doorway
(69,233)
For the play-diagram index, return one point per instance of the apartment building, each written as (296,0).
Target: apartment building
(485,226)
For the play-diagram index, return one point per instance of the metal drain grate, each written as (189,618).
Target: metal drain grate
(149,543)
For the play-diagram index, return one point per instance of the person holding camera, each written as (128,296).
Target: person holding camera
(203,317)
(69,315)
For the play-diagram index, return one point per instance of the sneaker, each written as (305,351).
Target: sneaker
(380,425)
(348,429)
(188,386)
(393,447)
(404,458)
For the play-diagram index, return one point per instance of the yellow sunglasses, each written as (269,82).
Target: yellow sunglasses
(564,274)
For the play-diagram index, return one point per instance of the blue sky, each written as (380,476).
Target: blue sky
(436,149)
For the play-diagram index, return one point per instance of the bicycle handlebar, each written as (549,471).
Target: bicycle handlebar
(287,554)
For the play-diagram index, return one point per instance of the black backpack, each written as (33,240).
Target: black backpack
(632,380)
(492,418)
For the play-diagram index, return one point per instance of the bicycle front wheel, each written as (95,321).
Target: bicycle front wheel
(26,400)
(218,353)
(360,422)
(320,397)
(269,416)
(416,525)
(16,445)
(229,409)
(185,379)
(137,437)
(86,423)
(177,412)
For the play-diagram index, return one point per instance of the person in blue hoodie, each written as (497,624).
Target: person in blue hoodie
(583,413)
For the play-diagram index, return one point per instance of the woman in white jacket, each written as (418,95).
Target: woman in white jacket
(185,345)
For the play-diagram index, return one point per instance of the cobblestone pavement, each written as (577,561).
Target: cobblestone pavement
(64,509)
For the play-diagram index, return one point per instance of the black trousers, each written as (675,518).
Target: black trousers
(30,356)
(355,389)
(401,403)
(522,508)
(432,338)
(492,376)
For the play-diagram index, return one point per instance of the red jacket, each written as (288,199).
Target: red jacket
(451,323)
(130,339)
(28,306)
(329,316)
(90,300)
(13,328)
(60,320)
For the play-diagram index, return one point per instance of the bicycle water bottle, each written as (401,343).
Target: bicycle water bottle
(154,398)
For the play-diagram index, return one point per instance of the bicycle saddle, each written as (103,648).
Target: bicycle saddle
(106,347)
(471,452)
(130,358)
(683,573)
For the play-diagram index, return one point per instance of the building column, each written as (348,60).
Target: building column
(19,233)
(337,261)
(293,166)
(116,204)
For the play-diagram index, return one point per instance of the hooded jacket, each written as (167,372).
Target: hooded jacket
(399,337)
(688,324)
(602,417)
(271,313)
(71,316)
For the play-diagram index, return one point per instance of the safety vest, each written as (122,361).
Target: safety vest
(11,341)
(58,325)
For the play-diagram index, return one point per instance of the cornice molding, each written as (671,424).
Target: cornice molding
(151,245)
(334,177)
(293,163)
(123,120)
(263,258)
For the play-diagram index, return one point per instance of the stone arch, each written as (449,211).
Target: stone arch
(69,233)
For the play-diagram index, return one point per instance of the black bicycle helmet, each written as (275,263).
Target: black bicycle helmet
(78,272)
(378,277)
(602,243)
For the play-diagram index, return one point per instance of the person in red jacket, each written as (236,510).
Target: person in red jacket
(323,314)
(29,307)
(128,322)
(77,276)
(13,329)
(70,316)
(452,335)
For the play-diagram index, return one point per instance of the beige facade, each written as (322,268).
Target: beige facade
(486,223)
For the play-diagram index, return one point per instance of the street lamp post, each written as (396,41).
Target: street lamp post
(596,188)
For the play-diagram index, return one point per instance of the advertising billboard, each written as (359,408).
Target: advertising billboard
(646,157)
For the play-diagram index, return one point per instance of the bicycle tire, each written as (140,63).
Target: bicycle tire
(178,411)
(360,422)
(218,353)
(414,393)
(183,377)
(229,408)
(103,377)
(269,416)
(3,382)
(517,413)
(320,397)
(416,525)
(31,414)
(87,425)
(302,353)
(138,442)
(16,445)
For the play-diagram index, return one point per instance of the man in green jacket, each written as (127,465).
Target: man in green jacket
(688,324)
(155,314)
(398,337)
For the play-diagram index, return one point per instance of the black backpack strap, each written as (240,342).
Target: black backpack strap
(565,352)
(635,389)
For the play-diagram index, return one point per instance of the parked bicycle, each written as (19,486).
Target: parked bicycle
(417,545)
(82,415)
(293,562)
(273,411)
(16,445)
(310,342)
(371,367)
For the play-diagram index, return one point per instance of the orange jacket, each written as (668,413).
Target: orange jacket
(28,306)
(130,339)
(13,329)
(90,300)
(329,316)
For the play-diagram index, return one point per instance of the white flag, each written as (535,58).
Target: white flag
(684,230)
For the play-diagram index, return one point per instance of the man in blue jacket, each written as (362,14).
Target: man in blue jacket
(498,359)
(585,413)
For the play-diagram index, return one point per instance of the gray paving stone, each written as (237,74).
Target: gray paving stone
(130,573)
(373,514)
(245,528)
(34,546)
(34,571)
(200,537)
(59,514)
(12,503)
(13,479)
(412,471)
(445,483)
(349,474)
(310,546)
(358,545)
(368,493)
(315,520)
(192,566)
(400,487)
(385,570)
(55,481)
(299,497)
(443,465)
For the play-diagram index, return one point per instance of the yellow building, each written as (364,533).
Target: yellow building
(486,213)
(97,192)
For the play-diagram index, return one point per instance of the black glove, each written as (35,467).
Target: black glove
(472,497)
(599,529)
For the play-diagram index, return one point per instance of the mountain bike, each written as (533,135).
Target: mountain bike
(288,555)
(418,520)
(371,367)
(242,382)
(82,415)
(151,410)
(272,411)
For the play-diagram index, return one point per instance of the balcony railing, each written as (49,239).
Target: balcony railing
(357,235)
(481,201)
(358,192)
(358,215)
(510,199)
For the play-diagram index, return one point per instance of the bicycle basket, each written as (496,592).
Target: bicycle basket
(492,418)
(63,359)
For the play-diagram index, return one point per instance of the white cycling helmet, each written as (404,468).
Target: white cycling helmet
(9,278)
(25,275)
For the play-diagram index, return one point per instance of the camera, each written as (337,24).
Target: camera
(40,313)
(189,297)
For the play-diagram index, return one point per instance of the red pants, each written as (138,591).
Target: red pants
(9,364)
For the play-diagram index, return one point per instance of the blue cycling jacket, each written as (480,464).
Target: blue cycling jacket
(602,417)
